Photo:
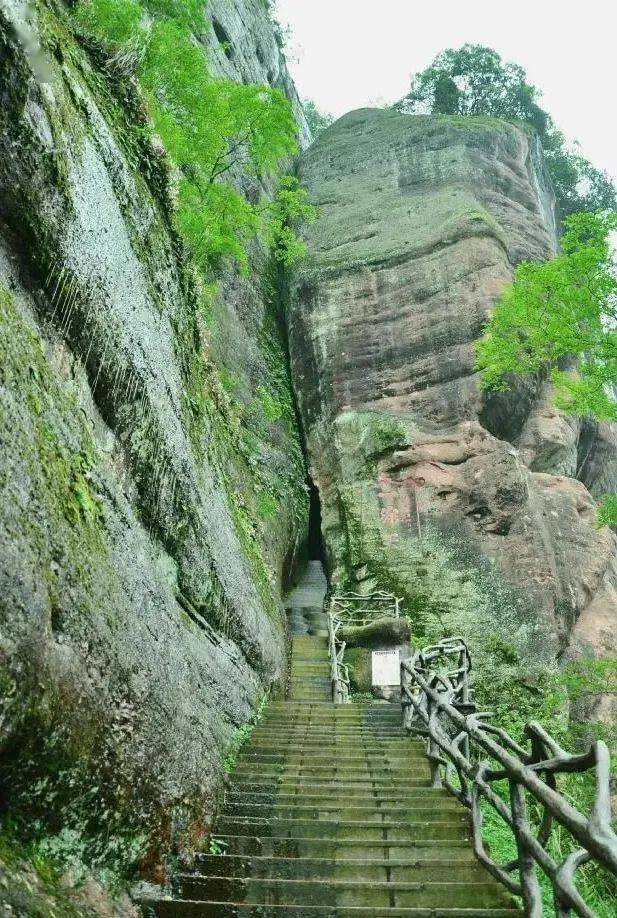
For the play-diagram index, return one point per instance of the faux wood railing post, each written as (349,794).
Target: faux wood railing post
(437,705)
(532,894)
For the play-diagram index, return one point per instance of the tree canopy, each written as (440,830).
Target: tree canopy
(317,121)
(211,127)
(474,80)
(560,316)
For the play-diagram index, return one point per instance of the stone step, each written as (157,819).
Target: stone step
(361,796)
(290,773)
(354,712)
(316,665)
(397,745)
(168,908)
(302,676)
(341,811)
(450,828)
(384,870)
(261,784)
(337,740)
(254,772)
(311,661)
(308,693)
(344,848)
(268,891)
(344,758)
(318,724)
(338,745)
(325,724)
(336,734)
(321,714)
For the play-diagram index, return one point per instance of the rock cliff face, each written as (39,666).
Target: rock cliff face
(144,532)
(469,506)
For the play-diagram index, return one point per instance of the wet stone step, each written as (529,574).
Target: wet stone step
(345,893)
(343,737)
(342,748)
(358,869)
(347,795)
(376,831)
(257,783)
(345,848)
(314,758)
(341,811)
(167,908)
(305,774)
(258,771)
(329,813)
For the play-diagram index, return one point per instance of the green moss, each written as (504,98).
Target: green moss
(62,472)
(30,883)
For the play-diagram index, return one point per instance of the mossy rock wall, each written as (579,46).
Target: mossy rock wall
(153,500)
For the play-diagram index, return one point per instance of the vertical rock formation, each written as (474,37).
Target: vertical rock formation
(468,505)
(144,532)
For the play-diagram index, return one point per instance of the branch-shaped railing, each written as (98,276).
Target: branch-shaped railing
(358,609)
(353,609)
(339,674)
(461,742)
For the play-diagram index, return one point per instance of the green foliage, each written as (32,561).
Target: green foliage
(211,128)
(316,120)
(607,512)
(290,206)
(242,736)
(516,696)
(267,505)
(558,314)
(560,310)
(474,81)
(217,846)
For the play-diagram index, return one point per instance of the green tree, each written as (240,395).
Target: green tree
(316,120)
(560,316)
(213,129)
(474,80)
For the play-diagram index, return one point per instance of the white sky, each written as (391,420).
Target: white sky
(346,54)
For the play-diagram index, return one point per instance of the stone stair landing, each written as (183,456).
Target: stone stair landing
(329,814)
(305,604)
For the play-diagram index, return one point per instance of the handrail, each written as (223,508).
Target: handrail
(339,674)
(437,705)
(352,609)
(360,608)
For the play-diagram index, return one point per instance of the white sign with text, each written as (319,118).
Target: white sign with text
(386,668)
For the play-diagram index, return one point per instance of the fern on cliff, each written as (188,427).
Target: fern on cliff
(213,129)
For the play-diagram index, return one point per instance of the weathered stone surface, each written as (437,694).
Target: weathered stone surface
(466,504)
(243,45)
(379,633)
(140,618)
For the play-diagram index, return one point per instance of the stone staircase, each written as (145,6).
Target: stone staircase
(305,612)
(329,813)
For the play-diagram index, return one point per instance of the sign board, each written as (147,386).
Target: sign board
(386,667)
